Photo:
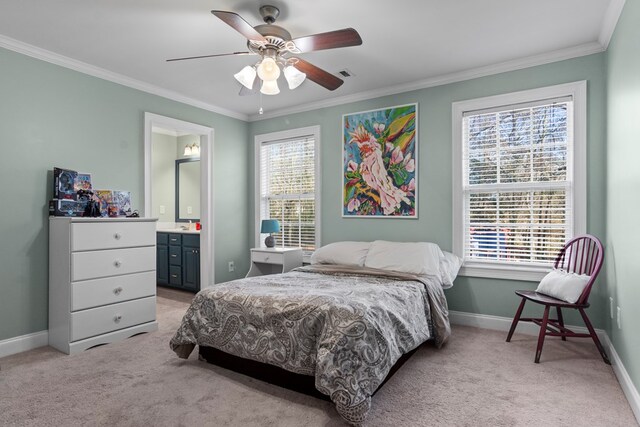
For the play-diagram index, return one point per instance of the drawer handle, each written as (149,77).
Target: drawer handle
(174,275)
(117,290)
(117,318)
(266,258)
(174,240)
(117,236)
(174,256)
(117,263)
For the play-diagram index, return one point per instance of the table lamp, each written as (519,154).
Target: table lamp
(270,226)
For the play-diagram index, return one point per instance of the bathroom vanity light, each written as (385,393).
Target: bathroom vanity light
(192,150)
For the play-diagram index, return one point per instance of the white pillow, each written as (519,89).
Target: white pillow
(449,266)
(562,285)
(345,253)
(407,257)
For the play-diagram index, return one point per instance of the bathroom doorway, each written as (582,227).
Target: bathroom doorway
(190,144)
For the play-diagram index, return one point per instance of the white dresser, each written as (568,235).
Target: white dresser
(102,280)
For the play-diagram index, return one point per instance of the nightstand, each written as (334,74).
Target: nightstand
(274,260)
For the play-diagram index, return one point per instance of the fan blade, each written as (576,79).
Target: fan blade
(318,75)
(236,22)
(210,56)
(331,40)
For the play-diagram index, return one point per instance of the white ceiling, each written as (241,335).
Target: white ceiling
(406,43)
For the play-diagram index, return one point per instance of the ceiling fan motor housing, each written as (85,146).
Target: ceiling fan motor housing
(276,38)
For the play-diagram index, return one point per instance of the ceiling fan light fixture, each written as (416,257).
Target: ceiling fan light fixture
(294,76)
(268,70)
(270,87)
(246,76)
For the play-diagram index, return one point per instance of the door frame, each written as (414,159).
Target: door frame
(207,274)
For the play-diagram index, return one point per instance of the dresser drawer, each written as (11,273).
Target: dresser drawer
(110,290)
(267,257)
(96,264)
(96,321)
(175,239)
(120,234)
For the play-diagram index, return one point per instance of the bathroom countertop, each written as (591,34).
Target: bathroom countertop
(177,230)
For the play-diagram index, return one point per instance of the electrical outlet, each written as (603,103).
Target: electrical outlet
(189,210)
(232,266)
(611,310)
(162,209)
(619,318)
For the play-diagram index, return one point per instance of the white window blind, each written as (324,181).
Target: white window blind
(287,190)
(518,182)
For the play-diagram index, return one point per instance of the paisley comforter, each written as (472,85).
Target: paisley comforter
(345,326)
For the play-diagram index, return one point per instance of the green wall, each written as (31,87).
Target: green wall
(486,296)
(623,185)
(52,116)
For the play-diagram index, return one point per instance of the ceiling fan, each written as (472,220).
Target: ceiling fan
(276,49)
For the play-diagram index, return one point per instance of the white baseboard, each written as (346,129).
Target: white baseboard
(628,388)
(504,323)
(498,323)
(23,343)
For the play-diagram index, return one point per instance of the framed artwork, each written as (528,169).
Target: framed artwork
(380,163)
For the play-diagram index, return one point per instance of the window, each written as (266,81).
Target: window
(519,182)
(287,186)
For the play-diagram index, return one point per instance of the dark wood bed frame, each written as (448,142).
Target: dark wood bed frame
(278,376)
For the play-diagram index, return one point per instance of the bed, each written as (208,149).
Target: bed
(343,325)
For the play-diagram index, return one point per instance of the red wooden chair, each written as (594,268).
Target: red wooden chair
(581,255)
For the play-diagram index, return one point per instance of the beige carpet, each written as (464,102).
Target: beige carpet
(476,380)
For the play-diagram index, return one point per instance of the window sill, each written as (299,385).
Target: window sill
(508,272)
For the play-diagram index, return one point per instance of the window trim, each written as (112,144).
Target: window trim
(277,136)
(578,92)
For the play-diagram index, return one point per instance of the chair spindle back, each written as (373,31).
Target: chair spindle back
(582,255)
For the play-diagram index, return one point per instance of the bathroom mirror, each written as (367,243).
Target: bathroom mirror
(188,190)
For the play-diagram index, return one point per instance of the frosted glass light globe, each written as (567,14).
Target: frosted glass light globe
(270,87)
(246,76)
(294,76)
(268,69)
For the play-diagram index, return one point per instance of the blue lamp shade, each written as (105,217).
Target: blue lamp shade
(270,226)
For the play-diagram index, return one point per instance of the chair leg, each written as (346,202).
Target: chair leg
(516,319)
(543,333)
(594,336)
(561,322)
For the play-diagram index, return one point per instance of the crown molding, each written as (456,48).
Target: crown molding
(610,21)
(170,132)
(517,64)
(101,73)
(164,131)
